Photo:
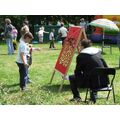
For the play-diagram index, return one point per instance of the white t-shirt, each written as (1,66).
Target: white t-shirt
(63,31)
(40,33)
(23,48)
(51,36)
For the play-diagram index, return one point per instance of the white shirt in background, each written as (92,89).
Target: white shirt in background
(63,31)
(41,32)
(51,36)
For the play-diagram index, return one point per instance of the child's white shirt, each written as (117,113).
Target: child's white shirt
(51,36)
(22,49)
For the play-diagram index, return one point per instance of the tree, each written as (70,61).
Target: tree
(16,20)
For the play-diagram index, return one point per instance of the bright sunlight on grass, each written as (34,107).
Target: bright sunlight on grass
(40,92)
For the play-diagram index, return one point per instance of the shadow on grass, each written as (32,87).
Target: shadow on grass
(9,88)
(103,53)
(13,91)
(48,49)
(55,88)
(3,54)
(7,54)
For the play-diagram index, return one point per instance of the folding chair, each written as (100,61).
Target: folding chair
(108,72)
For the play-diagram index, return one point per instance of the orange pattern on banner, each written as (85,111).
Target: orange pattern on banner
(65,57)
(67,52)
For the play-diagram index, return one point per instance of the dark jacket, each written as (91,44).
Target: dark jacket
(86,61)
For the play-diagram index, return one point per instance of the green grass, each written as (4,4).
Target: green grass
(40,92)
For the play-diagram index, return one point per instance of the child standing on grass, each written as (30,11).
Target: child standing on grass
(29,61)
(14,33)
(30,49)
(22,59)
(51,38)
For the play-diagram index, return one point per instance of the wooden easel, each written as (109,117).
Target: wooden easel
(81,36)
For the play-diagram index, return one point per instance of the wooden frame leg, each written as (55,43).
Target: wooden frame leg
(61,86)
(52,77)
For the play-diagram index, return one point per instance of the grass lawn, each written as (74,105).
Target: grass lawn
(40,92)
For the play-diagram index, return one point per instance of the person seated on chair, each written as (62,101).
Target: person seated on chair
(88,59)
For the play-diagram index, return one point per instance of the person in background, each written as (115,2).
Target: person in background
(29,60)
(22,59)
(25,28)
(41,34)
(14,33)
(58,23)
(30,49)
(88,59)
(62,32)
(83,23)
(8,36)
(51,38)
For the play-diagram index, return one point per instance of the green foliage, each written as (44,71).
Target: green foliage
(40,92)
(17,20)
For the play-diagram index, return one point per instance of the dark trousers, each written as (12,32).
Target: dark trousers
(23,70)
(75,84)
(52,44)
(27,71)
(63,38)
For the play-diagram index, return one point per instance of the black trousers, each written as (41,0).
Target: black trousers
(23,71)
(63,38)
(52,44)
(80,82)
(76,83)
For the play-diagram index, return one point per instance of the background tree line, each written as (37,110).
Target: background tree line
(17,20)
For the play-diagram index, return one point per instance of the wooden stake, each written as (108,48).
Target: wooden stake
(52,77)
(61,86)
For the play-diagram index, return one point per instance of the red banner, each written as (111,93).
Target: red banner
(75,34)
